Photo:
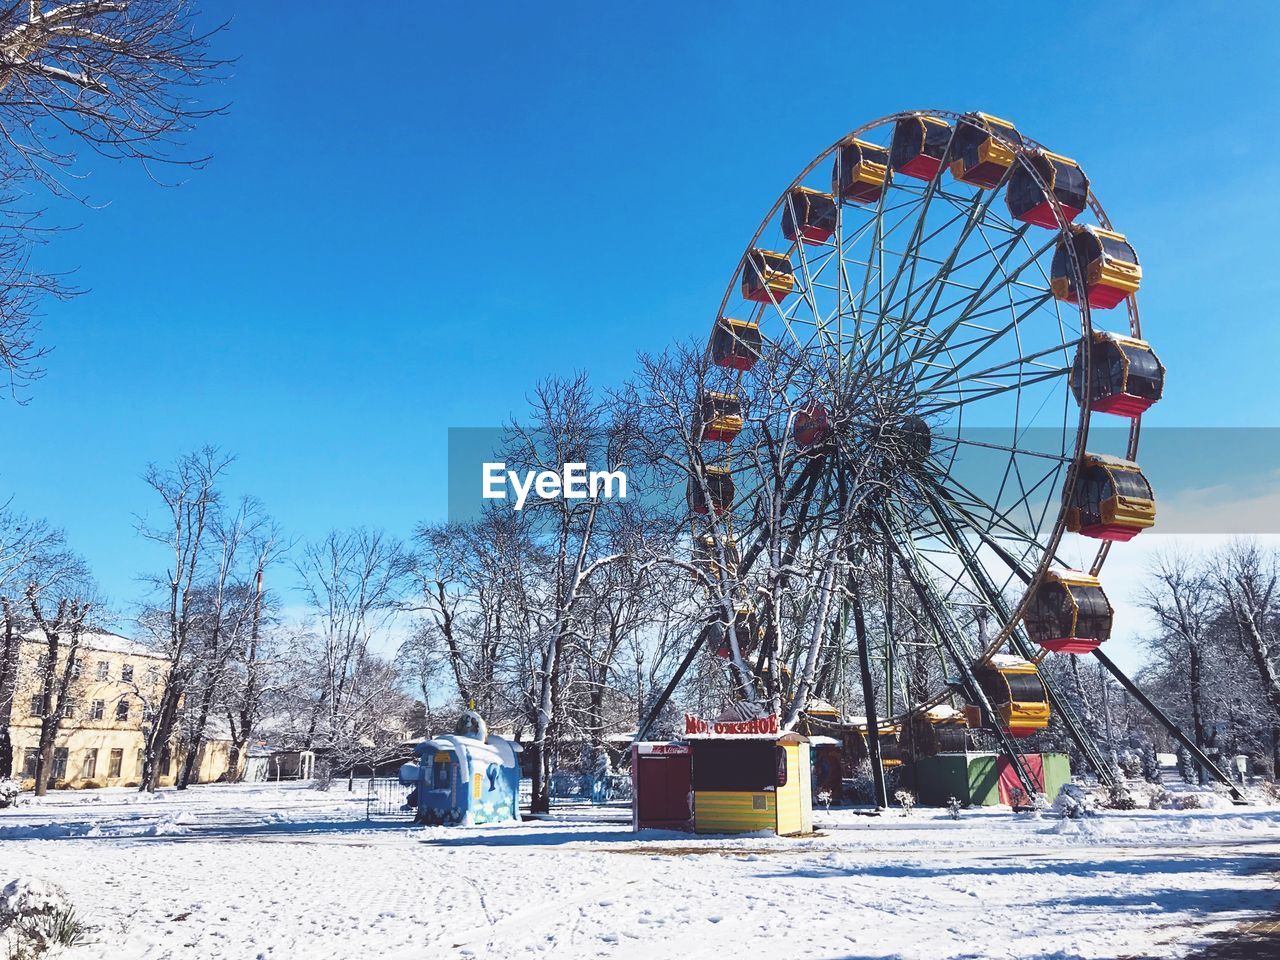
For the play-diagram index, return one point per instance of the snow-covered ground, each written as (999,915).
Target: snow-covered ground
(290,872)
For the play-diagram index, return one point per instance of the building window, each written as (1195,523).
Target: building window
(165,760)
(153,676)
(60,763)
(89,769)
(104,670)
(68,709)
(97,710)
(29,761)
(116,762)
(142,762)
(126,673)
(42,662)
(76,666)
(37,705)
(122,709)
(148,713)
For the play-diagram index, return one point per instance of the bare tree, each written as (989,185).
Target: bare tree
(28,553)
(252,663)
(1248,576)
(113,77)
(190,496)
(355,583)
(1180,596)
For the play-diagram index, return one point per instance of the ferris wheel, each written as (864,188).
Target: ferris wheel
(946,287)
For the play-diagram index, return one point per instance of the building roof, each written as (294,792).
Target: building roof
(102,641)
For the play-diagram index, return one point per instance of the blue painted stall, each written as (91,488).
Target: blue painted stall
(465,778)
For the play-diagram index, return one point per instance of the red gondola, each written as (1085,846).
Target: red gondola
(1029,201)
(1125,375)
(861,172)
(919,146)
(720,487)
(809,215)
(736,344)
(811,426)
(1069,613)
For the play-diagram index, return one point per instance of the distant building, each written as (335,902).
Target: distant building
(116,684)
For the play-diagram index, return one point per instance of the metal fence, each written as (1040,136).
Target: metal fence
(386,799)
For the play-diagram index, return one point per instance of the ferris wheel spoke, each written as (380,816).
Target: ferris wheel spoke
(954,374)
(977,298)
(993,390)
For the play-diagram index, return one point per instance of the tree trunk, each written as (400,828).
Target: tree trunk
(161,733)
(1196,694)
(197,742)
(8,684)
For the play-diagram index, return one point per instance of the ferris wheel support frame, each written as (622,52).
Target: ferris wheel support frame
(869,703)
(973,690)
(1102,770)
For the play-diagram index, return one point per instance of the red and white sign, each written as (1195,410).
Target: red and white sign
(695,726)
(663,749)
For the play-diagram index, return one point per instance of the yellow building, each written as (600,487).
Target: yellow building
(115,685)
(744,782)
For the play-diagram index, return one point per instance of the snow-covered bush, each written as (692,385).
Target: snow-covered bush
(1074,802)
(36,918)
(953,808)
(1158,798)
(1120,797)
(906,799)
(9,790)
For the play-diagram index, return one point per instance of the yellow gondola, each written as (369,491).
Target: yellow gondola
(808,215)
(1125,378)
(1111,499)
(707,558)
(736,344)
(767,276)
(982,149)
(719,417)
(861,172)
(890,748)
(1069,612)
(1108,265)
(1016,693)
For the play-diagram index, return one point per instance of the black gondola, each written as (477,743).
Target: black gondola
(719,417)
(1029,202)
(767,276)
(1069,612)
(919,146)
(736,344)
(719,484)
(808,215)
(1108,264)
(1126,377)
(1111,499)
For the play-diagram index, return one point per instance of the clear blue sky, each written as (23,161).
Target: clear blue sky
(416,210)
